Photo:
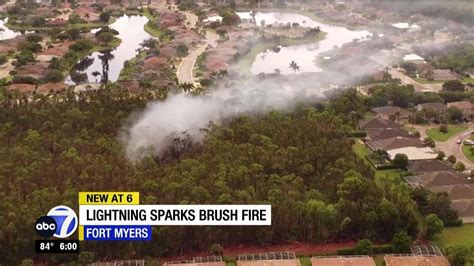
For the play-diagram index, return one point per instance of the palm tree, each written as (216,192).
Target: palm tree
(294,66)
(186,86)
(95,74)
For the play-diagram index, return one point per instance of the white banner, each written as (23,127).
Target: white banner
(175,215)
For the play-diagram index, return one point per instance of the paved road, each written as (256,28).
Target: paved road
(450,147)
(185,69)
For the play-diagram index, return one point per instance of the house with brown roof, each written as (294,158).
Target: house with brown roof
(395,143)
(35,70)
(198,261)
(465,209)
(466,107)
(428,166)
(444,74)
(393,113)
(132,86)
(356,260)
(23,88)
(415,260)
(420,255)
(375,134)
(377,122)
(436,179)
(51,88)
(268,258)
(438,107)
(457,192)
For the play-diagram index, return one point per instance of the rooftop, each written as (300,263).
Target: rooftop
(433,106)
(198,261)
(414,153)
(428,166)
(375,134)
(342,261)
(377,122)
(413,57)
(395,143)
(463,105)
(264,259)
(465,208)
(457,192)
(435,179)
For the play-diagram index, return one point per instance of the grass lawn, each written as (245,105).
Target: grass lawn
(379,261)
(438,136)
(467,151)
(305,261)
(362,151)
(460,235)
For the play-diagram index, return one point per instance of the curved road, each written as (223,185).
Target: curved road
(450,147)
(185,68)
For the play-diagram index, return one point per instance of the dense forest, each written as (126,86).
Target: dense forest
(299,161)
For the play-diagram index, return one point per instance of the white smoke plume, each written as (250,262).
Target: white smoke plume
(163,120)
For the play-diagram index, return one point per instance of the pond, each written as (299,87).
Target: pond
(107,65)
(273,60)
(6,33)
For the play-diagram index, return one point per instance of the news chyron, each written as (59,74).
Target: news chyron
(118,216)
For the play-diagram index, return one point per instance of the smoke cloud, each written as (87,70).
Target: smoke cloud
(154,129)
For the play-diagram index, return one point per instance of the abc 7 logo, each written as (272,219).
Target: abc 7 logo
(60,222)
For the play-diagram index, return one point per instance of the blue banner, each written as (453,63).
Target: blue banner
(117,232)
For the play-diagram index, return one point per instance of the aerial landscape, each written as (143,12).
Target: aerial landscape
(352,119)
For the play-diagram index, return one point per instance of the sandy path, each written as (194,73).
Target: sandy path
(192,19)
(185,69)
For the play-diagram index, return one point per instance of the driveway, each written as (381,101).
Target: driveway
(450,147)
(185,69)
(406,80)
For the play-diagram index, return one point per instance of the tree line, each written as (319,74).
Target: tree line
(320,191)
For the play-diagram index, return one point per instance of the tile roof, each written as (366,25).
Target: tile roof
(428,166)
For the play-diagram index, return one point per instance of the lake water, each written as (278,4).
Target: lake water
(7,33)
(109,64)
(303,55)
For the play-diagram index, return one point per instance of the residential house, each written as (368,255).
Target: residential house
(413,58)
(392,113)
(377,122)
(444,74)
(458,191)
(414,153)
(420,255)
(374,134)
(22,88)
(437,107)
(265,259)
(436,179)
(51,88)
(198,261)
(428,166)
(466,107)
(359,260)
(465,209)
(395,143)
(132,86)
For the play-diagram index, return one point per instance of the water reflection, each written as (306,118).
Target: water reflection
(107,65)
(6,33)
(303,55)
